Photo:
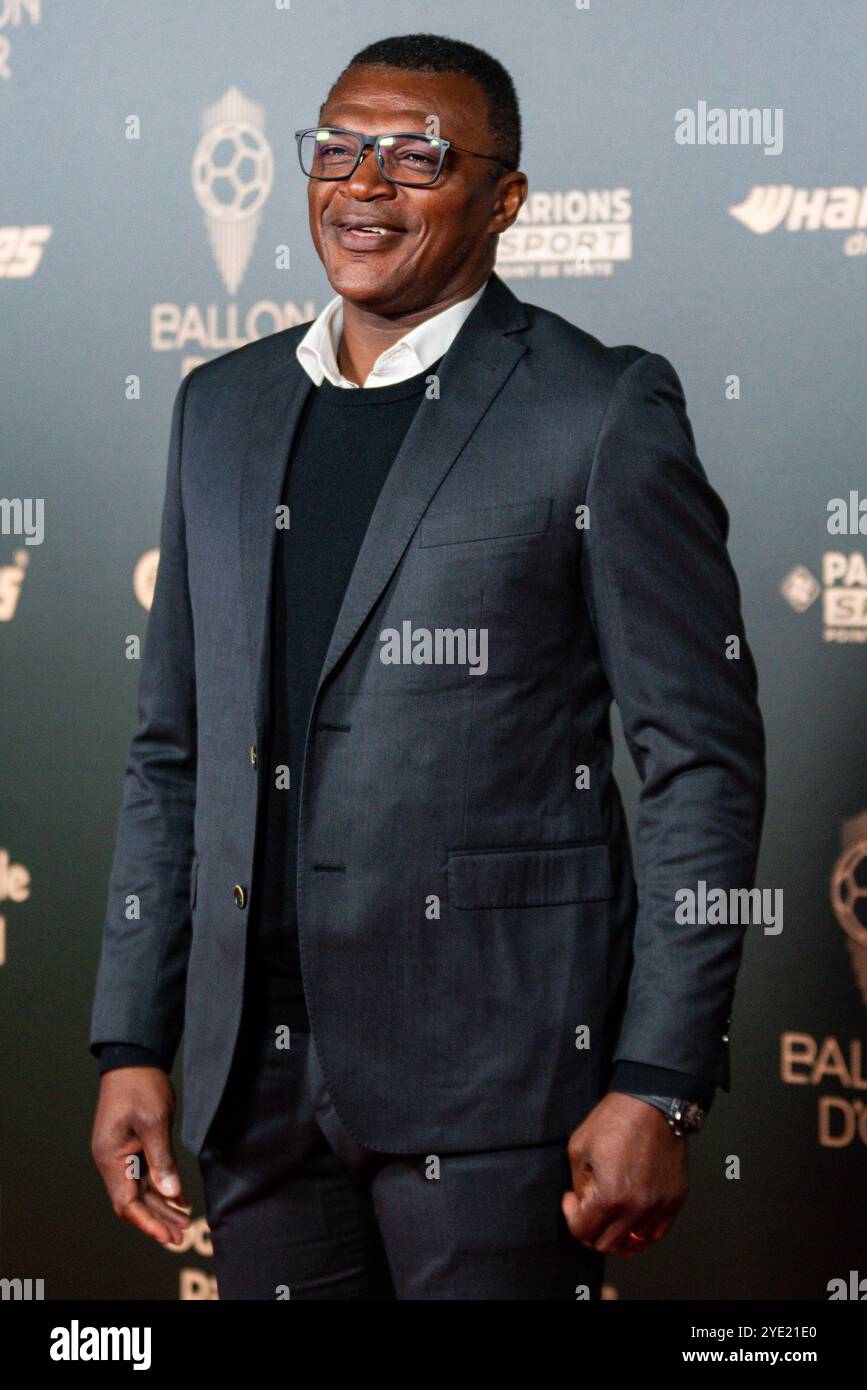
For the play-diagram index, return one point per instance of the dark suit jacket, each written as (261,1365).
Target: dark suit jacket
(464,905)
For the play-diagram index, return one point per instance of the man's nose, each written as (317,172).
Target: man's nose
(367,178)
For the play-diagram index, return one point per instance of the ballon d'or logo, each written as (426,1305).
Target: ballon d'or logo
(233,173)
(849,895)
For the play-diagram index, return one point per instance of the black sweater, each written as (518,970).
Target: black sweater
(345,445)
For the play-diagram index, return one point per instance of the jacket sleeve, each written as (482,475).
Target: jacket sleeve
(635,1078)
(115,1055)
(664,603)
(140,985)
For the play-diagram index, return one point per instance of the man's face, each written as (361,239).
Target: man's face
(439,239)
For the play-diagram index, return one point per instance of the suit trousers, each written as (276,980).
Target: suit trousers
(299,1209)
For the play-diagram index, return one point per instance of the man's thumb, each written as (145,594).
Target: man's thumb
(161,1164)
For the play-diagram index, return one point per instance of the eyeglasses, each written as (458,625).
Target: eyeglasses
(333,153)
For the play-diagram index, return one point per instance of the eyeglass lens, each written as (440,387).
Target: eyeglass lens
(329,154)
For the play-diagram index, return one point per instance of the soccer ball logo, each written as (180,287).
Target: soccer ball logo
(849,891)
(233,171)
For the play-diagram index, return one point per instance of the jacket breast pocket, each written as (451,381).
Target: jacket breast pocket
(537,876)
(486,523)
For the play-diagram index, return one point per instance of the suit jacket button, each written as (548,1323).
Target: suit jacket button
(253,756)
(240,895)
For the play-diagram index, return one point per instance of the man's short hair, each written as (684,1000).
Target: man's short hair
(435,53)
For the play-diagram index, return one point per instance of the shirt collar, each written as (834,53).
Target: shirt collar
(411,354)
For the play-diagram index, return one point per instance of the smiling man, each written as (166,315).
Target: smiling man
(439,1043)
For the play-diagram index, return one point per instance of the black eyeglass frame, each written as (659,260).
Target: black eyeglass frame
(374,142)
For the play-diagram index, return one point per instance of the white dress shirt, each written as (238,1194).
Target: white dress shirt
(424,344)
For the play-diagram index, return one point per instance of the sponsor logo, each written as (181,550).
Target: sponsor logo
(12,15)
(14,885)
(568,232)
(843,591)
(21,249)
(809,1061)
(232,175)
(195,1285)
(849,895)
(839,209)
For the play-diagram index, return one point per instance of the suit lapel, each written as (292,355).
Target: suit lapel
(472,372)
(278,403)
(474,369)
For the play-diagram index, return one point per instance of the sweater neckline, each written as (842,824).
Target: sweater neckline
(362,396)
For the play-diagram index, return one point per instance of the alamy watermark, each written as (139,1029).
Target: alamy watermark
(745,906)
(439,646)
(77,1343)
(22,1290)
(713,125)
(23,516)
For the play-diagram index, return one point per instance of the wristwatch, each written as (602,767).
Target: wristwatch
(684,1116)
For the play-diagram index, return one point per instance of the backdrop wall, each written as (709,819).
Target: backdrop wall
(124,261)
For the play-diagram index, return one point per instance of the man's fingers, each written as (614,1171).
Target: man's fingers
(649,1223)
(126,1200)
(165,1211)
(604,1225)
(580,1206)
(586,1216)
(134,1201)
(581,1168)
(156,1141)
(615,1238)
(663,1226)
(132,1148)
(628,1175)
(136,1213)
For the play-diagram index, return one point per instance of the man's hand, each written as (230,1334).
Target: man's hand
(134,1114)
(628,1175)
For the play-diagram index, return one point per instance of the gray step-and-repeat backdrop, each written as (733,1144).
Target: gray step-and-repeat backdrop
(697,188)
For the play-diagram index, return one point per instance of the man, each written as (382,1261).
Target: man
(437,1044)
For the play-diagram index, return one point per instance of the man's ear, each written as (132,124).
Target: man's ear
(510,198)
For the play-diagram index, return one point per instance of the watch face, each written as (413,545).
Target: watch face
(691,1116)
